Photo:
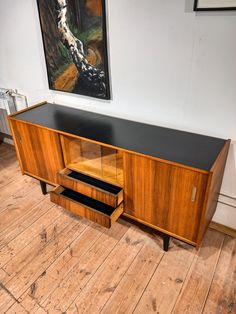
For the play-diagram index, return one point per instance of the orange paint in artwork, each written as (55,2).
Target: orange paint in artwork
(67,79)
(94,7)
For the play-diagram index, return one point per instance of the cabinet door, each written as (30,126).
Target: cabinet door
(166,196)
(39,150)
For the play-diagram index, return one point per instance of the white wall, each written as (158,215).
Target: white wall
(169,66)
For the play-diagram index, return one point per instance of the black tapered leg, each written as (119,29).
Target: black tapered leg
(166,241)
(43,187)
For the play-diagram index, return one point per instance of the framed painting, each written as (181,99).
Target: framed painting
(75,45)
(209,5)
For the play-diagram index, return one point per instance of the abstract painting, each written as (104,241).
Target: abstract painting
(209,5)
(75,46)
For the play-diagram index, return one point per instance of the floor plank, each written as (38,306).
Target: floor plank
(58,270)
(14,228)
(45,236)
(131,287)
(60,238)
(197,284)
(30,241)
(16,308)
(6,298)
(69,289)
(19,190)
(164,287)
(99,289)
(222,294)
(9,174)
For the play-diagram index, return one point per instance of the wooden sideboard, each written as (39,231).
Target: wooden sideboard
(104,167)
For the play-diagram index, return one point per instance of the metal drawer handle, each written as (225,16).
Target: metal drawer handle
(194,192)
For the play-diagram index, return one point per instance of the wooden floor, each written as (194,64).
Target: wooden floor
(53,262)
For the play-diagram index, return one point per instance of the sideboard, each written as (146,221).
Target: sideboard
(104,167)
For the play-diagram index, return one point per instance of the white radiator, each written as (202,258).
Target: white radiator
(10,102)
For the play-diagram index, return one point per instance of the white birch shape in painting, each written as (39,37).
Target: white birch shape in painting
(90,76)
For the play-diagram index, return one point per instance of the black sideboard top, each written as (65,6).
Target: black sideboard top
(190,149)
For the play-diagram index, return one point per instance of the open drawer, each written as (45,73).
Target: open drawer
(99,190)
(85,206)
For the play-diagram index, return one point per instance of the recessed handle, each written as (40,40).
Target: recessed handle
(194,192)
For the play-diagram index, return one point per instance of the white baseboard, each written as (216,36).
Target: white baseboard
(226,211)
(6,138)
(8,141)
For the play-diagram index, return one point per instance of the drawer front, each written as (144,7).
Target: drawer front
(91,187)
(86,207)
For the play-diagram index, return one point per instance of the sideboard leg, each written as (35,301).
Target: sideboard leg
(166,240)
(43,187)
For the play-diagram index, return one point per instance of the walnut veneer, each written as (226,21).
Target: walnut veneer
(168,179)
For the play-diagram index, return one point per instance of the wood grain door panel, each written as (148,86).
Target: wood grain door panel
(39,150)
(166,196)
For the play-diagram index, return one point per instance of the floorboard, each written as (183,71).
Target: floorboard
(168,278)
(222,294)
(197,284)
(53,262)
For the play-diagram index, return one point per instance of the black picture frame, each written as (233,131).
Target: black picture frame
(223,8)
(105,54)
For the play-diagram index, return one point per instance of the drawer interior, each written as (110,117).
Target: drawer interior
(87,201)
(110,188)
